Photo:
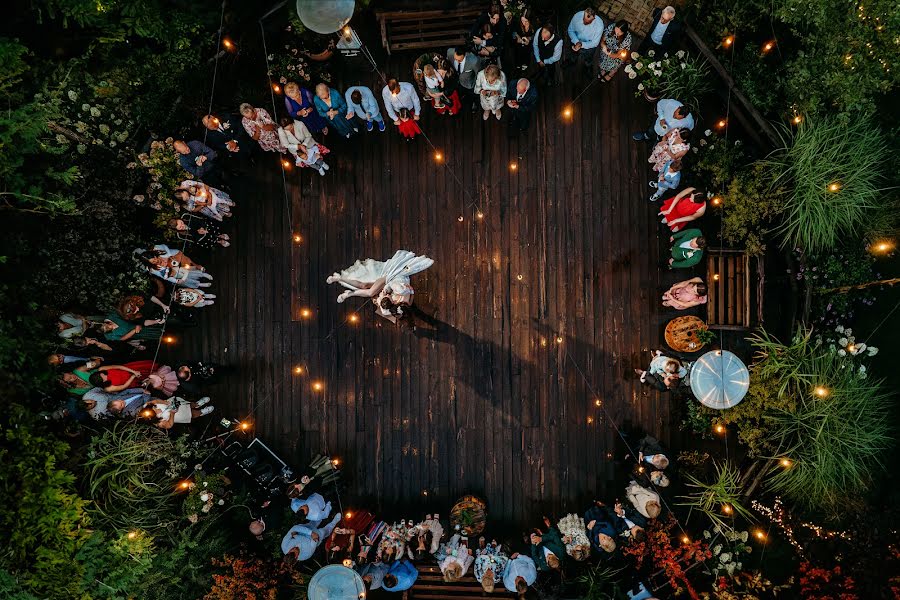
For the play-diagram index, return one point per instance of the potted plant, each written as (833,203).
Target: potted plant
(679,76)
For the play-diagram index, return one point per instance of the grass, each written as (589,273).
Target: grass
(832,427)
(720,500)
(689,84)
(834,173)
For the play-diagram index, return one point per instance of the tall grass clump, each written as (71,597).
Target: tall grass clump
(829,428)
(720,500)
(834,173)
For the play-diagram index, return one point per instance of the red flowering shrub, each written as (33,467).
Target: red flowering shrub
(818,583)
(249,578)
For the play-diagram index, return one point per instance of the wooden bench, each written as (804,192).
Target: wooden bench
(728,277)
(431,585)
(411,30)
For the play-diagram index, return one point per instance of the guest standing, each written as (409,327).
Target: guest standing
(466,66)
(300,105)
(407,125)
(644,500)
(519,574)
(486,35)
(522,102)
(453,103)
(397,95)
(196,158)
(548,49)
(614,49)
(669,179)
(400,577)
(224,134)
(166,413)
(491,85)
(670,114)
(674,145)
(362,105)
(686,294)
(574,536)
(199,231)
(331,106)
(687,249)
(523,38)
(547,549)
(490,564)
(301,541)
(196,197)
(601,529)
(173,266)
(585,34)
(259,125)
(292,134)
(686,206)
(663,31)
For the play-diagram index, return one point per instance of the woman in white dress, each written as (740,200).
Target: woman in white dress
(490,85)
(387,283)
(198,197)
(454,559)
(166,413)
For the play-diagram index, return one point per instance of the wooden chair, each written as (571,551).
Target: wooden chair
(410,30)
(731,298)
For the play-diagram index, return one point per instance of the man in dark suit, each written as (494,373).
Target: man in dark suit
(663,32)
(225,134)
(522,100)
(466,66)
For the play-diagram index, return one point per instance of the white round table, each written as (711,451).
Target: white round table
(336,582)
(719,379)
(325,16)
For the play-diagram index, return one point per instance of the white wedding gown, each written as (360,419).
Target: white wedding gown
(396,271)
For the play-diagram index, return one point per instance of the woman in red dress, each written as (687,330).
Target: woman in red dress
(115,378)
(687,205)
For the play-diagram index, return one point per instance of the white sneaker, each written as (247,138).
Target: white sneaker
(325,166)
(203,401)
(321,171)
(207,410)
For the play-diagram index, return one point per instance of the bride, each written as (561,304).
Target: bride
(387,283)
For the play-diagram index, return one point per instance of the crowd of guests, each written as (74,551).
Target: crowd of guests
(388,555)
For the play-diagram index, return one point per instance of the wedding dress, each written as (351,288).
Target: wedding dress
(396,272)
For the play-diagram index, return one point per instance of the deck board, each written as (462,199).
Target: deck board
(482,406)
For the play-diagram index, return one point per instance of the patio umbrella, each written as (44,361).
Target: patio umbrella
(325,16)
(336,582)
(719,379)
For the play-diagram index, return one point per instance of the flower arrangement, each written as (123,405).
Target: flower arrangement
(165,174)
(512,9)
(728,551)
(681,76)
(294,64)
(672,559)
(207,492)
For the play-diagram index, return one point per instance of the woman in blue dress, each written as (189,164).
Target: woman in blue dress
(331,106)
(299,104)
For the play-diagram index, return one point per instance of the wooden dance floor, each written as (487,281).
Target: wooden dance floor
(560,274)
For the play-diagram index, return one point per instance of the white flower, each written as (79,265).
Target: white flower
(204,497)
(744,536)
(716,549)
(873,350)
(683,66)
(657,73)
(861,347)
(632,75)
(639,66)
(85,107)
(72,95)
(640,87)
(666,54)
(205,484)
(725,557)
(270,57)
(706,534)
(95,112)
(81,148)
(205,508)
(708,132)
(848,332)
(112,143)
(104,128)
(863,375)
(839,329)
(862,368)
(842,353)
(635,56)
(628,69)
(703,142)
(842,341)
(680,54)
(221,501)
(61,138)
(651,53)
(696,149)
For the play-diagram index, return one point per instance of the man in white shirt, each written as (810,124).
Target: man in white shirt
(314,508)
(520,573)
(670,114)
(585,34)
(397,95)
(301,541)
(548,48)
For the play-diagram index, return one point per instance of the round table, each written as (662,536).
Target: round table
(336,582)
(681,334)
(719,379)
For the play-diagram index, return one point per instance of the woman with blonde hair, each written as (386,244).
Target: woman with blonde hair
(490,85)
(331,106)
(490,564)
(574,532)
(259,125)
(300,104)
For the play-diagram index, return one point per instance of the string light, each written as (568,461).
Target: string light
(720,429)
(184,485)
(559,339)
(716,200)
(883,247)
(590,420)
(851,348)
(513,165)
(318,386)
(354,318)
(169,339)
(726,508)
(567,112)
(459,218)
(286,163)
(685,539)
(759,534)
(715,277)
(305,313)
(298,238)
(229,45)
(786,463)
(276,88)
(479,215)
(722,123)
(298,370)
(728,41)
(347,31)
(598,402)
(796,120)
(768,47)
(821,392)
(424,492)
(244,425)
(147,413)
(544,342)
(336,462)
(438,156)
(132,535)
(520,277)
(348,515)
(834,186)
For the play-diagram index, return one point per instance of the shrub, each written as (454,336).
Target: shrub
(719,500)
(831,426)
(833,172)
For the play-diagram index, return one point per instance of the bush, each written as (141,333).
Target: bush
(828,421)
(833,172)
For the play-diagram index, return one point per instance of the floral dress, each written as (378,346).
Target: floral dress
(665,149)
(574,532)
(493,558)
(394,538)
(607,63)
(268,139)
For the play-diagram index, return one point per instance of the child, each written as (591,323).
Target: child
(312,157)
(434,84)
(408,127)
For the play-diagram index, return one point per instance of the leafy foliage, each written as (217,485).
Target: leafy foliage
(114,565)
(721,500)
(834,173)
(250,577)
(43,522)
